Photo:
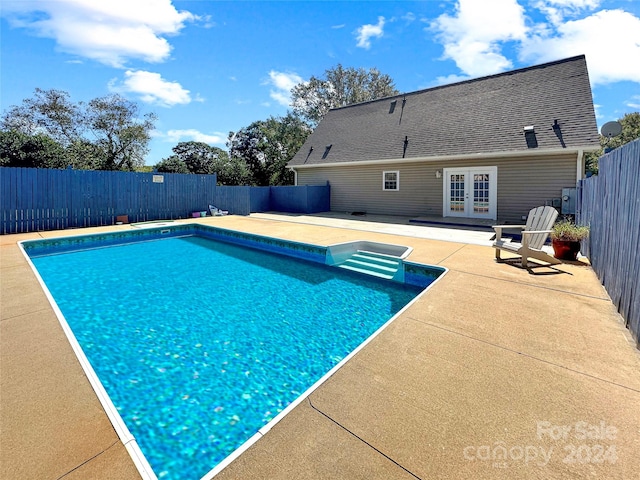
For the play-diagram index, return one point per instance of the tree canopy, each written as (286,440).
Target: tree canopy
(630,123)
(339,87)
(198,157)
(172,164)
(50,112)
(38,151)
(119,131)
(266,146)
(201,158)
(107,133)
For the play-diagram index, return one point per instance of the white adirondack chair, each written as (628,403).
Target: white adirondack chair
(534,234)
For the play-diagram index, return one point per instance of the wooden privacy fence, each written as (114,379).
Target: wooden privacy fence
(290,199)
(33,199)
(47,199)
(610,204)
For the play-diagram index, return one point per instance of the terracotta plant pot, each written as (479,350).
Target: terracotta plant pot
(565,249)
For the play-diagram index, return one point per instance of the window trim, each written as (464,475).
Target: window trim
(384,181)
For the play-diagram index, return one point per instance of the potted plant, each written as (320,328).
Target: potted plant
(566,237)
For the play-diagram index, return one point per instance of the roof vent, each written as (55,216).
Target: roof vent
(308,154)
(530,136)
(326,151)
(558,131)
(404,100)
(392,107)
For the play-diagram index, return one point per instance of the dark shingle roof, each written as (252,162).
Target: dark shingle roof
(476,116)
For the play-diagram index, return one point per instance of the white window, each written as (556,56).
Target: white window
(391,180)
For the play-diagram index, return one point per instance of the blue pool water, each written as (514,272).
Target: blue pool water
(200,343)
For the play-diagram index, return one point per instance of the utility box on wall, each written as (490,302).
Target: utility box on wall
(568,201)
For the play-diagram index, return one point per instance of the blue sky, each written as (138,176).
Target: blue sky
(208,67)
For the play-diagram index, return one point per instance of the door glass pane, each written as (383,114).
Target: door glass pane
(480,193)
(456,200)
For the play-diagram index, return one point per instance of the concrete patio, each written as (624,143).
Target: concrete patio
(495,373)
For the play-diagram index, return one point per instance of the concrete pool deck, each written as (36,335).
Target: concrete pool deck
(497,372)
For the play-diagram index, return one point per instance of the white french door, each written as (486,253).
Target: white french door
(470,192)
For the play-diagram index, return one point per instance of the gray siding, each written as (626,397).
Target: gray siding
(359,188)
(522,185)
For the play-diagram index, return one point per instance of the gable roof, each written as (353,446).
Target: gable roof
(482,115)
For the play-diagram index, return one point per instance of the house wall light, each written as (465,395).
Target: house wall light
(438,173)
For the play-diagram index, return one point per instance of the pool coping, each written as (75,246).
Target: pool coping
(123,432)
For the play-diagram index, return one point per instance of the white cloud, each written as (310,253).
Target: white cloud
(473,36)
(557,10)
(281,97)
(596,109)
(610,39)
(207,21)
(283,83)
(575,4)
(476,33)
(453,78)
(110,32)
(409,17)
(191,134)
(634,102)
(337,27)
(366,32)
(150,87)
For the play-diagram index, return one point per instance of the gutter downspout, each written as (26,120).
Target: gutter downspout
(580,166)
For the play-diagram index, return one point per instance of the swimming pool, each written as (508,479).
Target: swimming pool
(200,342)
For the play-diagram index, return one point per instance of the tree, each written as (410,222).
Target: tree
(50,112)
(107,133)
(39,151)
(341,86)
(285,135)
(120,132)
(630,123)
(247,144)
(85,155)
(233,171)
(198,157)
(172,164)
(266,146)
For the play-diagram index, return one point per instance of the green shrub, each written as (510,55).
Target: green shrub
(565,229)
